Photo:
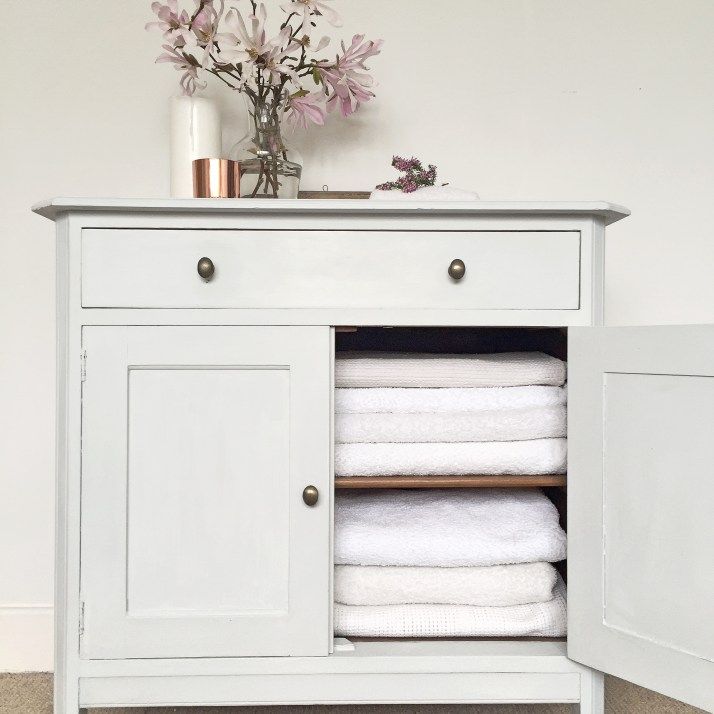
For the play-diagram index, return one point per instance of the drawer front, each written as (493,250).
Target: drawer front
(505,270)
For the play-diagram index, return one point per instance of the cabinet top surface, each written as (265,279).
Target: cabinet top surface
(56,207)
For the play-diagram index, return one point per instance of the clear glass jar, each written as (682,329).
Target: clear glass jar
(269,167)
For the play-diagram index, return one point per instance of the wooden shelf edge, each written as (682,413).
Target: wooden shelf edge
(471,481)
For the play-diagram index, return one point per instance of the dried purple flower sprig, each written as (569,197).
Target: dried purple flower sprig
(415,176)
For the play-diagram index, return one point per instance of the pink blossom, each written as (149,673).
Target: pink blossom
(350,87)
(239,45)
(205,24)
(273,62)
(171,22)
(310,8)
(183,63)
(307,108)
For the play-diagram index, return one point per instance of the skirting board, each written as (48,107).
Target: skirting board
(26,638)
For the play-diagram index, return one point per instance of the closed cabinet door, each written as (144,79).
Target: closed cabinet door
(641,506)
(197,444)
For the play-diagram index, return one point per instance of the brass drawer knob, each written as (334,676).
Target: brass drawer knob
(457,269)
(310,495)
(205,268)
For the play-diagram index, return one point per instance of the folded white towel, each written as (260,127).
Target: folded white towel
(426,193)
(542,619)
(494,585)
(440,528)
(490,458)
(504,425)
(445,400)
(405,369)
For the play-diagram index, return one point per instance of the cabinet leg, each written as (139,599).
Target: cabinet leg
(592,693)
(66,698)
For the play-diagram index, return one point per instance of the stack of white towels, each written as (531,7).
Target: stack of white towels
(453,562)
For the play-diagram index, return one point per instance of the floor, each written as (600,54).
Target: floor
(32,694)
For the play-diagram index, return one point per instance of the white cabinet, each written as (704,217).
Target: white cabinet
(192,415)
(197,443)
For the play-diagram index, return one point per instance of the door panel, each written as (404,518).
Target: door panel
(640,503)
(197,443)
(221,479)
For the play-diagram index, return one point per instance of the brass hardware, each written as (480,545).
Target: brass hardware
(310,495)
(205,268)
(457,269)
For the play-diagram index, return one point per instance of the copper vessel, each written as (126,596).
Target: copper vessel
(216,178)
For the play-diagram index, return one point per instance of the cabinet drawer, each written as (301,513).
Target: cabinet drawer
(505,270)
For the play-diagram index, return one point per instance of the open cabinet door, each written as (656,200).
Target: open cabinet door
(641,506)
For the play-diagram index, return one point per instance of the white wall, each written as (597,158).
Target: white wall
(517,99)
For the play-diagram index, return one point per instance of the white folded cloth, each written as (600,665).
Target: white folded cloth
(489,458)
(491,585)
(503,425)
(542,619)
(425,193)
(445,400)
(446,528)
(407,369)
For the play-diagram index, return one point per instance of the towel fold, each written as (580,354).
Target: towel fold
(446,400)
(387,369)
(494,585)
(543,619)
(490,458)
(440,528)
(505,425)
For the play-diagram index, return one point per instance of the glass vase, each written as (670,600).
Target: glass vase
(269,167)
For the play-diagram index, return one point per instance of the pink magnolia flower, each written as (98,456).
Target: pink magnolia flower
(273,62)
(350,87)
(239,45)
(183,63)
(306,9)
(171,22)
(205,24)
(307,108)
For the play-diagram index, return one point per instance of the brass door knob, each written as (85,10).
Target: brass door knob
(457,269)
(310,495)
(205,268)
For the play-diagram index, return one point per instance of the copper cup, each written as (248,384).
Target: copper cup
(216,178)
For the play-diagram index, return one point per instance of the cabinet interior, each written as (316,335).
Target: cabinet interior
(461,340)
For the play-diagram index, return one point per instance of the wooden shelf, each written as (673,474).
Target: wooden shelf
(471,481)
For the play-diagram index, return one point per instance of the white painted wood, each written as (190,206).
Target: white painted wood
(420,656)
(592,693)
(374,672)
(368,221)
(338,316)
(68,482)
(197,444)
(641,497)
(331,269)
(610,212)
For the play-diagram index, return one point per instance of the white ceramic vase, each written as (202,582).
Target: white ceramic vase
(195,134)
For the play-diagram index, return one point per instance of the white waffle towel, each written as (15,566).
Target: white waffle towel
(494,585)
(504,425)
(405,369)
(543,619)
(445,400)
(489,458)
(446,527)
